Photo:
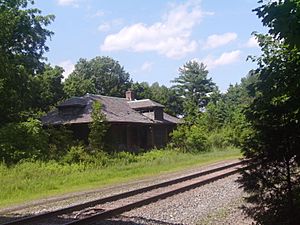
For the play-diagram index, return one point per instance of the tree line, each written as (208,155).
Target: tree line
(260,115)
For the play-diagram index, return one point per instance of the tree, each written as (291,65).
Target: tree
(189,138)
(141,90)
(167,97)
(22,45)
(282,17)
(98,128)
(223,117)
(78,86)
(47,88)
(100,75)
(23,140)
(161,94)
(194,86)
(273,180)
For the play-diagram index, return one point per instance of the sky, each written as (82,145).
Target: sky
(153,39)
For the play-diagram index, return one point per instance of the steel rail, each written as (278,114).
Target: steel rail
(119,210)
(106,214)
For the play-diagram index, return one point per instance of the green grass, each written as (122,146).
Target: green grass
(33,180)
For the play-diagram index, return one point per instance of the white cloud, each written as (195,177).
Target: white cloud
(68,3)
(252,43)
(225,59)
(68,67)
(169,37)
(106,26)
(146,67)
(215,40)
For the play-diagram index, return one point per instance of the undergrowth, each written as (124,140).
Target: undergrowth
(35,179)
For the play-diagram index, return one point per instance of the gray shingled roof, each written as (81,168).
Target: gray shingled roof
(75,101)
(115,110)
(144,103)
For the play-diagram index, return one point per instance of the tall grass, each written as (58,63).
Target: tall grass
(33,180)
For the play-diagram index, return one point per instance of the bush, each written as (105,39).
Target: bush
(124,158)
(81,154)
(178,137)
(76,154)
(98,128)
(190,139)
(219,138)
(23,140)
(59,141)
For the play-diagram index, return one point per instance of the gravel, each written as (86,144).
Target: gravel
(215,203)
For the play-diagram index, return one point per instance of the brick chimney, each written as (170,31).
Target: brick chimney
(129,95)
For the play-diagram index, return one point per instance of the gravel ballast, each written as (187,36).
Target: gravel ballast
(215,203)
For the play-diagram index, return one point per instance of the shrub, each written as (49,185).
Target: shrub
(23,140)
(59,141)
(81,154)
(219,138)
(77,154)
(178,137)
(98,128)
(124,158)
(196,139)
(189,138)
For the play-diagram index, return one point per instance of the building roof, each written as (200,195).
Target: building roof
(144,103)
(115,109)
(75,101)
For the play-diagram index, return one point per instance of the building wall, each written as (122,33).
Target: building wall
(129,136)
(161,134)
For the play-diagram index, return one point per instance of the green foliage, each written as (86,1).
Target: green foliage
(47,88)
(100,75)
(178,137)
(161,94)
(24,140)
(224,117)
(274,180)
(98,128)
(60,139)
(22,44)
(167,97)
(196,139)
(141,90)
(194,86)
(77,154)
(26,181)
(124,158)
(220,138)
(190,138)
(221,124)
(282,18)
(78,86)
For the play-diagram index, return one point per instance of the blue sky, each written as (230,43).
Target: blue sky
(152,39)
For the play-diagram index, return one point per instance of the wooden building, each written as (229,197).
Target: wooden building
(133,123)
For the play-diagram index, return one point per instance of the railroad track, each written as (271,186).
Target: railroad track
(114,205)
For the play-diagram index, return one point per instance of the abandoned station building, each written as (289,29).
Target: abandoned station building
(132,123)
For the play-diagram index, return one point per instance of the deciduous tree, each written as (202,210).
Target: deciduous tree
(100,75)
(282,17)
(22,44)
(98,128)
(47,88)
